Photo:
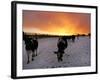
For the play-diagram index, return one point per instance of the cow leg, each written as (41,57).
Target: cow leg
(36,52)
(33,55)
(28,61)
(58,56)
(61,56)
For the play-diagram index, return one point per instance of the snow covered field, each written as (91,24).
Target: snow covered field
(77,54)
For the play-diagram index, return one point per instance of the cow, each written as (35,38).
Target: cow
(31,45)
(62,45)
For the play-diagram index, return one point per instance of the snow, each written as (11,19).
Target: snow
(77,54)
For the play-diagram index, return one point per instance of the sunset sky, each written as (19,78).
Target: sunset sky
(56,23)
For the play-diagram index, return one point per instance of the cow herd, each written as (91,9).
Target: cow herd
(31,44)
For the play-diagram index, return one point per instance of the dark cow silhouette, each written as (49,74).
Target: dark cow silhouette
(73,38)
(31,44)
(62,45)
(28,47)
(77,36)
(34,47)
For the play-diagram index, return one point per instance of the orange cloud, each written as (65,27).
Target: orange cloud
(62,23)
